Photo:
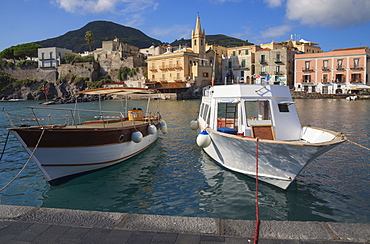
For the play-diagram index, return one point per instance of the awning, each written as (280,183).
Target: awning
(359,87)
(116,91)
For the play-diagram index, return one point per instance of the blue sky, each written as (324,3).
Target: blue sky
(331,23)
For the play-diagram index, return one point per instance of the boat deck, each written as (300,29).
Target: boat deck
(98,124)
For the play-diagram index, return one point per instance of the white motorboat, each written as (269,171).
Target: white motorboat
(236,120)
(63,146)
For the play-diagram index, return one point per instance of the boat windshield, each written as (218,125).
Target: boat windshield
(258,112)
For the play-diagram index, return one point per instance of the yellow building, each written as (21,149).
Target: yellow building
(184,67)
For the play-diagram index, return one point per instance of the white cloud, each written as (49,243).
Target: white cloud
(100,6)
(274,3)
(132,10)
(329,13)
(275,32)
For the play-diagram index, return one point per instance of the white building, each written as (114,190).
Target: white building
(51,57)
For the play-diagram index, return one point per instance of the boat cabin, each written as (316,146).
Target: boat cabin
(263,111)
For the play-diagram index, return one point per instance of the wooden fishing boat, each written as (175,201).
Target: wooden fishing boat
(233,117)
(65,146)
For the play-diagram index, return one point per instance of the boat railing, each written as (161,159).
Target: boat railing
(42,116)
(206,91)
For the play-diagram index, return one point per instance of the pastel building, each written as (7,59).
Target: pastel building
(51,57)
(275,66)
(183,67)
(238,65)
(335,72)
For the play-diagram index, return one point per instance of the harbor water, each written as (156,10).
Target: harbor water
(175,177)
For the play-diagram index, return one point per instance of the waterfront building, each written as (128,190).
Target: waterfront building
(302,46)
(183,67)
(238,64)
(51,57)
(275,66)
(335,72)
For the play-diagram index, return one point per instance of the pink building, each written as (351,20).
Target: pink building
(337,71)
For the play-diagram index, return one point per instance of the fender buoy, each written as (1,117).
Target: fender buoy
(163,127)
(152,129)
(194,124)
(136,136)
(204,139)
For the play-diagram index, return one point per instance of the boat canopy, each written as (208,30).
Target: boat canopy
(116,91)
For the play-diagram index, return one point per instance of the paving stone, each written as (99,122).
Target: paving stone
(95,235)
(187,239)
(140,237)
(118,236)
(52,234)
(74,234)
(32,232)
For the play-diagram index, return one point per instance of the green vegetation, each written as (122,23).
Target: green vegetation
(6,81)
(24,63)
(89,38)
(71,58)
(221,40)
(125,72)
(20,52)
(103,31)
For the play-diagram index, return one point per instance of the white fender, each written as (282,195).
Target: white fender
(136,136)
(164,127)
(194,124)
(204,139)
(152,129)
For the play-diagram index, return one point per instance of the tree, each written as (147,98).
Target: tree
(22,51)
(89,38)
(8,53)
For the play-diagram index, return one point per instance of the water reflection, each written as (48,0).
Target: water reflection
(175,177)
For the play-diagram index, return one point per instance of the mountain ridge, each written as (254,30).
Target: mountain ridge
(106,30)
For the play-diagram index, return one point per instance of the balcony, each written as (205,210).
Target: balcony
(278,73)
(325,69)
(356,81)
(356,68)
(153,70)
(305,69)
(278,61)
(325,81)
(263,73)
(340,68)
(262,61)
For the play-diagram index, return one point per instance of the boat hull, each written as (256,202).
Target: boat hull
(61,162)
(278,162)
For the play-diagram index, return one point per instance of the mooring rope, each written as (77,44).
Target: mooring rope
(256,232)
(34,150)
(358,145)
(6,141)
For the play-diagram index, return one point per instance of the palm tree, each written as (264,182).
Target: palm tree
(89,38)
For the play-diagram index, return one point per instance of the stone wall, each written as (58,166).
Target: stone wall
(30,72)
(90,70)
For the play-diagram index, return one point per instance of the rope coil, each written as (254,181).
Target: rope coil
(24,166)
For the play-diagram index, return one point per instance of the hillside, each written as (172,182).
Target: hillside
(221,40)
(102,31)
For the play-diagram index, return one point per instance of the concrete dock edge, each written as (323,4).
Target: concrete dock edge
(327,232)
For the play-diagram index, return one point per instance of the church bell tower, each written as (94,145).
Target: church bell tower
(198,38)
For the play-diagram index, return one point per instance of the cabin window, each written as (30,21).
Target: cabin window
(227,114)
(258,112)
(283,108)
(205,112)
